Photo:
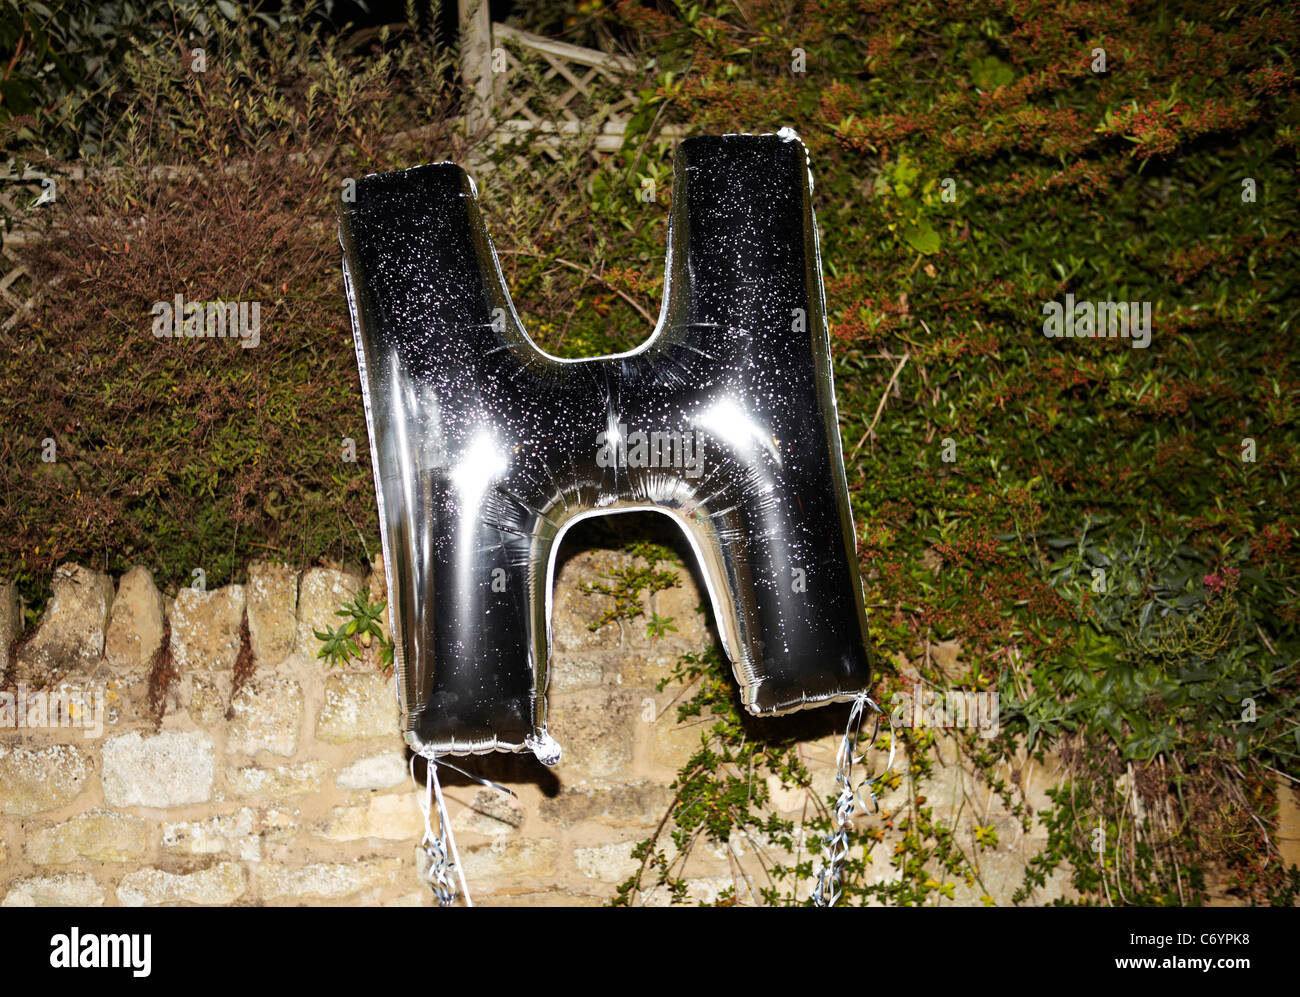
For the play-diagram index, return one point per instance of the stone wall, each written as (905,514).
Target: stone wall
(297,790)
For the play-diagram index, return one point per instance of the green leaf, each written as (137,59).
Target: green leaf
(990,72)
(922,237)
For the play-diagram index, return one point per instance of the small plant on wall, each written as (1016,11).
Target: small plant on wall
(361,638)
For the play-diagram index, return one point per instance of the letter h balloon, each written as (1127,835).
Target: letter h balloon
(486,450)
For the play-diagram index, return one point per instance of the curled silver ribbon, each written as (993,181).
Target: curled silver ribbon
(441,847)
(836,844)
(480,779)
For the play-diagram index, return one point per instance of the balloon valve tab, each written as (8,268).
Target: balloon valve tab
(544,747)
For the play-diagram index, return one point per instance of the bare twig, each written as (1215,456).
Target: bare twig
(583,270)
(597,277)
(893,379)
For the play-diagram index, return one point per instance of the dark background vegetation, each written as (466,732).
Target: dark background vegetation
(1070,455)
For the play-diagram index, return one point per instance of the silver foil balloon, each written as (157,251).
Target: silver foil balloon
(486,450)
